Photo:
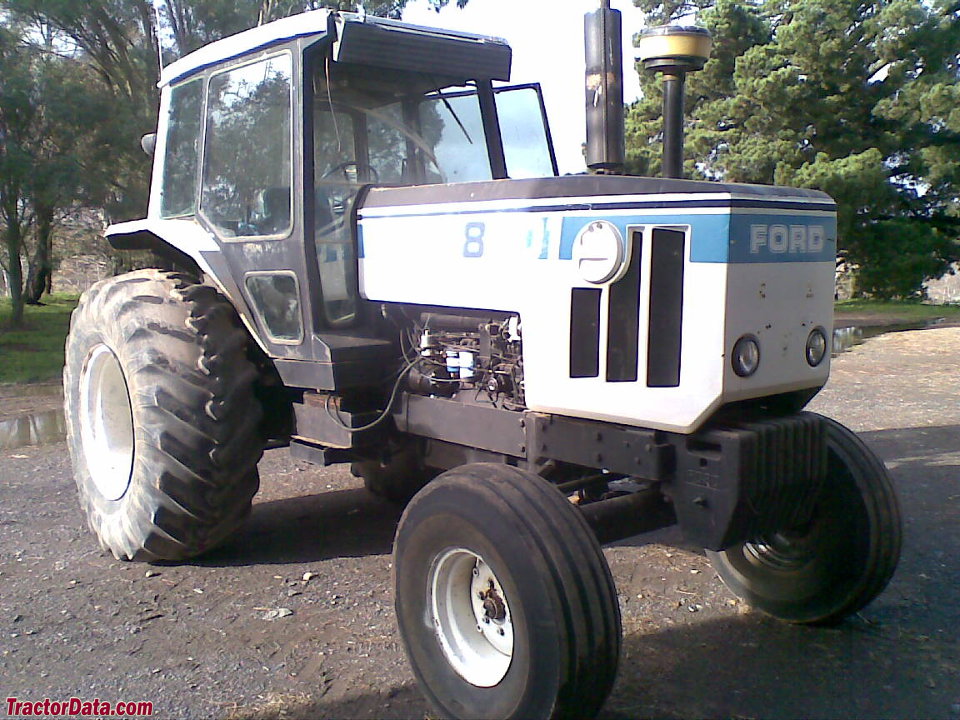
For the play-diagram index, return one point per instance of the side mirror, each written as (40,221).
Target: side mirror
(149,143)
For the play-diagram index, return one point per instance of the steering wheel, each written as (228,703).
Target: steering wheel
(341,168)
(344,166)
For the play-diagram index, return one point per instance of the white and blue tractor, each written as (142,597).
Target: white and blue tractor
(364,251)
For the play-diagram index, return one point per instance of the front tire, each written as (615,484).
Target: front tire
(162,421)
(504,600)
(837,563)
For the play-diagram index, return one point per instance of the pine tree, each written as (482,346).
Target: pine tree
(857,99)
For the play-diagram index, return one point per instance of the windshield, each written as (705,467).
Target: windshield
(412,141)
(428,137)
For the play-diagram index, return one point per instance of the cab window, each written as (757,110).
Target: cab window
(337,175)
(247,170)
(178,190)
(453,127)
(523,128)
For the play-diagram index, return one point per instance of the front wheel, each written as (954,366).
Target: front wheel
(837,562)
(504,600)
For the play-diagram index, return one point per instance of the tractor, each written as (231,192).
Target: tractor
(363,250)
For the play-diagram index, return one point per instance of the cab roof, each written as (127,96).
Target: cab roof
(362,40)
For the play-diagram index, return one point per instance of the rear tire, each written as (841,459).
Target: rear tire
(162,421)
(841,560)
(504,600)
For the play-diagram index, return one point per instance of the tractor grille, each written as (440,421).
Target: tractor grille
(664,322)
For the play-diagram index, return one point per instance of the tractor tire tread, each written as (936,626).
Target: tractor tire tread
(185,352)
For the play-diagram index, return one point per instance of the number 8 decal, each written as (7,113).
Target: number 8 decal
(473,247)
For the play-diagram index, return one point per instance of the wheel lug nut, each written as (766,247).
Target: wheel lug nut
(501,631)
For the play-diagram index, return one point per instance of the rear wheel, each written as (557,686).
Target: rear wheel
(836,563)
(162,421)
(504,600)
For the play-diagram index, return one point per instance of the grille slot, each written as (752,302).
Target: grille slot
(584,332)
(623,319)
(666,308)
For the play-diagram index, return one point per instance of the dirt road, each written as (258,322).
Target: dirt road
(294,618)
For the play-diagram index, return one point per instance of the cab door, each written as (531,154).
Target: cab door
(249,189)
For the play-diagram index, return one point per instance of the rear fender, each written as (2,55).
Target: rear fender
(188,244)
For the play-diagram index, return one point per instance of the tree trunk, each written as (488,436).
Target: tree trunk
(14,238)
(40,277)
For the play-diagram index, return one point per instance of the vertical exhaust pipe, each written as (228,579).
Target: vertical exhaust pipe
(604,90)
(673,50)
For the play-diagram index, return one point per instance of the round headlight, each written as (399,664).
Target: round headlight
(816,346)
(746,356)
(600,252)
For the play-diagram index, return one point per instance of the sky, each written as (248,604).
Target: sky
(547,41)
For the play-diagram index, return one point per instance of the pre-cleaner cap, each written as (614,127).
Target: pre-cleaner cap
(680,47)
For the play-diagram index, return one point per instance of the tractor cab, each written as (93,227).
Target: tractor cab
(268,139)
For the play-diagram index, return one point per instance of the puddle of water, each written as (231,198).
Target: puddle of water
(845,338)
(37,429)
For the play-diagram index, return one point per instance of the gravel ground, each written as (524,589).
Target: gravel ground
(294,618)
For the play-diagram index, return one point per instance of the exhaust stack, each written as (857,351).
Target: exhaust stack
(604,90)
(673,50)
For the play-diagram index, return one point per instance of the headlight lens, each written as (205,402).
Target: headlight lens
(816,346)
(746,356)
(600,252)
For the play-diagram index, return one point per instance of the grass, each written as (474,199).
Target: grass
(34,353)
(898,310)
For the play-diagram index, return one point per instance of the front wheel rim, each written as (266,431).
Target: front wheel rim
(788,551)
(106,423)
(471,617)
